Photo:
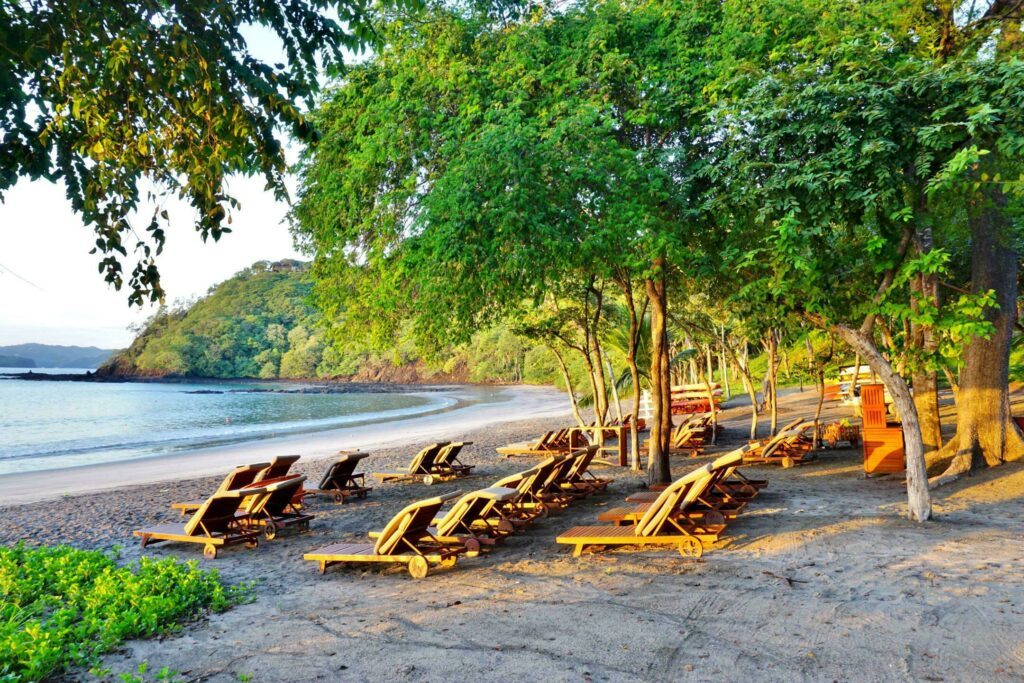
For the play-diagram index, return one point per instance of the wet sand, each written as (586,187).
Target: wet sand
(822,579)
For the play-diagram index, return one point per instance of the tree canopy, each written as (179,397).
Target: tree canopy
(129,102)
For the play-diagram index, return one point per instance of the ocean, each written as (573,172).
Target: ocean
(54,424)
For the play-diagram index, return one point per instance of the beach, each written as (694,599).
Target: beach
(821,579)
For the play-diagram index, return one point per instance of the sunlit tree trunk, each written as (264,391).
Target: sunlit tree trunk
(658,469)
(985,433)
(567,378)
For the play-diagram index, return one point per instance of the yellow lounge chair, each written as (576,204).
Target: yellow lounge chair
(406,540)
(217,523)
(663,523)
(235,479)
(422,468)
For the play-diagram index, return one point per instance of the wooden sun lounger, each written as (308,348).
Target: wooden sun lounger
(579,480)
(421,468)
(447,460)
(528,503)
(341,479)
(787,448)
(665,522)
(274,508)
(217,523)
(705,508)
(729,483)
(405,540)
(545,445)
(235,479)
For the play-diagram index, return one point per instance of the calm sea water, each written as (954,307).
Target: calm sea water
(45,425)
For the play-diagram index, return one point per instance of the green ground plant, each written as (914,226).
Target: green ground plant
(62,607)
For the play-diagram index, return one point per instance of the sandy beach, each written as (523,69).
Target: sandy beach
(822,579)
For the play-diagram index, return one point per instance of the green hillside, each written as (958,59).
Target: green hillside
(260,324)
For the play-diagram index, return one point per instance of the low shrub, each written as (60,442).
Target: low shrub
(62,607)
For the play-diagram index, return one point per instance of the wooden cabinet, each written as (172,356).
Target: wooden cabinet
(883,441)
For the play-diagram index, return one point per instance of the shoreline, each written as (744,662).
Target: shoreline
(525,403)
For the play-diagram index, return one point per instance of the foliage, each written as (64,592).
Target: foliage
(143,99)
(260,323)
(63,607)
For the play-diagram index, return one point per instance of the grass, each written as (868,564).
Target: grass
(62,607)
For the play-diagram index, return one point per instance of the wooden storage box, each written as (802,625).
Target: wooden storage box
(883,449)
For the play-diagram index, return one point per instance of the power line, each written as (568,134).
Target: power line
(25,280)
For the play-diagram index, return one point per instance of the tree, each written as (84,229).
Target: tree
(144,99)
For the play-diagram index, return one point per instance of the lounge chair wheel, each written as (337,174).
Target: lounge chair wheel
(210,552)
(690,547)
(787,462)
(473,546)
(269,531)
(506,526)
(428,479)
(714,518)
(254,543)
(339,497)
(447,562)
(418,567)
(542,510)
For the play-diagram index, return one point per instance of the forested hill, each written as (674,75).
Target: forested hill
(52,356)
(260,323)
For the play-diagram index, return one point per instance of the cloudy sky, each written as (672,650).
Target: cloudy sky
(50,290)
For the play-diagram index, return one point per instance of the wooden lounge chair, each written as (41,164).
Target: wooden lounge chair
(478,515)
(421,468)
(447,460)
(665,522)
(579,480)
(787,448)
(235,479)
(217,523)
(341,479)
(528,504)
(545,445)
(728,481)
(273,509)
(278,468)
(406,540)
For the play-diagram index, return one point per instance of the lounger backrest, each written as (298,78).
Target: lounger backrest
(471,507)
(242,476)
(341,470)
(423,462)
(676,496)
(450,453)
(542,442)
(559,473)
(511,481)
(277,498)
(277,468)
(784,437)
(217,512)
(410,524)
(581,462)
(538,475)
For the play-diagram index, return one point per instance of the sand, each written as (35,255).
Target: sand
(822,579)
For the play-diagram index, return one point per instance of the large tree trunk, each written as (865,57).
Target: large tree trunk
(985,434)
(741,362)
(924,289)
(658,469)
(918,500)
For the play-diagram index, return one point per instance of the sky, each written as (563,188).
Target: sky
(51,291)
